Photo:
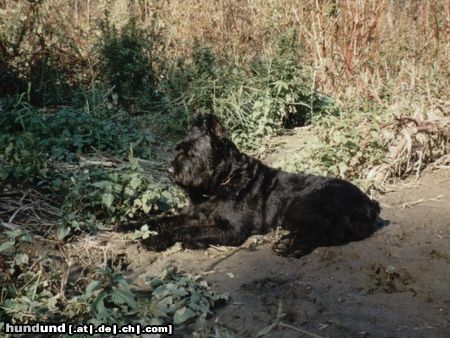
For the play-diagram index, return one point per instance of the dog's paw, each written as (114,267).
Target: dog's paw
(289,247)
(157,243)
(283,246)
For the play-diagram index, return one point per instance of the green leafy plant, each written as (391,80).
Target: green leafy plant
(110,298)
(19,124)
(144,232)
(26,293)
(125,56)
(13,239)
(255,100)
(341,147)
(100,198)
(31,141)
(183,298)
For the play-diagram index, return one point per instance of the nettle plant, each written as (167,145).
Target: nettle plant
(254,99)
(31,141)
(13,239)
(181,298)
(27,292)
(103,199)
(109,299)
(347,147)
(174,297)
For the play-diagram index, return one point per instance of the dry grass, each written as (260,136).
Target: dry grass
(28,209)
(392,54)
(376,49)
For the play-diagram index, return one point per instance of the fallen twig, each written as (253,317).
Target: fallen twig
(422,200)
(9,226)
(306,333)
(218,248)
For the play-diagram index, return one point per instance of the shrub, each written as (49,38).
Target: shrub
(126,61)
(25,294)
(21,128)
(346,147)
(255,99)
(100,198)
(32,141)
(182,298)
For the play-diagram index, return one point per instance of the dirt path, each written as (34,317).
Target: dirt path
(394,284)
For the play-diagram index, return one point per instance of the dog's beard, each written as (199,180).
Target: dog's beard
(193,177)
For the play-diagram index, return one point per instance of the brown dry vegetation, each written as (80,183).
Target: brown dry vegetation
(377,50)
(392,55)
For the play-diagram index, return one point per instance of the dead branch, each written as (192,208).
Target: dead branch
(304,332)
(8,226)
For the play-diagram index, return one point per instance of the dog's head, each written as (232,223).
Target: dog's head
(202,157)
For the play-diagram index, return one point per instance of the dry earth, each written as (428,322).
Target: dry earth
(394,284)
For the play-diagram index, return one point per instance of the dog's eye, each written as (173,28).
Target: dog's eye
(182,146)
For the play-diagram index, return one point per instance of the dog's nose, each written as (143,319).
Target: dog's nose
(170,171)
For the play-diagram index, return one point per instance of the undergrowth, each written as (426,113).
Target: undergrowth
(32,141)
(255,99)
(34,289)
(342,147)
(126,62)
(100,199)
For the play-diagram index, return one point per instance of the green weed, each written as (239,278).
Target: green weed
(126,63)
(32,141)
(182,298)
(103,199)
(347,147)
(255,100)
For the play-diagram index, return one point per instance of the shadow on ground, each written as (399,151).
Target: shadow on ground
(393,284)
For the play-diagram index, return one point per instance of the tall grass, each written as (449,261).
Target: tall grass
(373,49)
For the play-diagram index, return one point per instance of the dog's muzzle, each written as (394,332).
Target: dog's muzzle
(170,171)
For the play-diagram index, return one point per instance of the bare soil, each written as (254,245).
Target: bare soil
(393,284)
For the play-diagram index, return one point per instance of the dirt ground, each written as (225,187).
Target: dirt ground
(393,284)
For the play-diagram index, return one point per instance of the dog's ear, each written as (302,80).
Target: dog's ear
(213,126)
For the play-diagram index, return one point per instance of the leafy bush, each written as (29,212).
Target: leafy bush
(33,289)
(21,162)
(13,239)
(182,298)
(110,299)
(126,61)
(341,147)
(100,198)
(32,141)
(21,127)
(25,294)
(255,100)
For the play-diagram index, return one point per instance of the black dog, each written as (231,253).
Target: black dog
(233,196)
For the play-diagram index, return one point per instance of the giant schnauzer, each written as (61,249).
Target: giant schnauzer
(233,196)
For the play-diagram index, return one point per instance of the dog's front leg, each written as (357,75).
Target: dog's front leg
(193,237)
(158,223)
(168,229)
(200,237)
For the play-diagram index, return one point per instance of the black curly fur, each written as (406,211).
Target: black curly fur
(233,196)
